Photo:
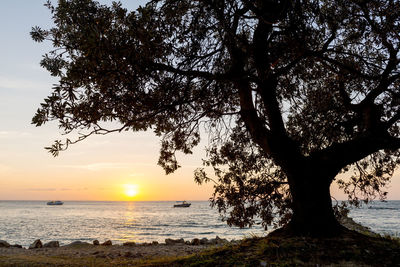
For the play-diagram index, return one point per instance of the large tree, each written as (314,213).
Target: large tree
(290,94)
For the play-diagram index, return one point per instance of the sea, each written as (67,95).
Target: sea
(22,222)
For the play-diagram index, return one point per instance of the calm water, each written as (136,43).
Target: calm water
(22,222)
(381,217)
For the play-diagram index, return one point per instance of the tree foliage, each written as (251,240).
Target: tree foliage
(284,90)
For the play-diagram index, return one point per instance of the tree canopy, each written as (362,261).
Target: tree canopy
(289,94)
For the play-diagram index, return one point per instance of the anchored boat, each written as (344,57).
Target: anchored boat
(55,202)
(183,204)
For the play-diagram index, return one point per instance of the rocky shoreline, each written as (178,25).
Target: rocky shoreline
(130,251)
(55,244)
(107,250)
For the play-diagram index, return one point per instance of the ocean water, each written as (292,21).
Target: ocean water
(381,217)
(22,222)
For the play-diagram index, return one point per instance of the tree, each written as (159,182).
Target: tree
(290,94)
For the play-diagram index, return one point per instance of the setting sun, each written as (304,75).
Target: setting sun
(131,190)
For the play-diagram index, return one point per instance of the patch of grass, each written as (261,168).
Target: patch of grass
(348,250)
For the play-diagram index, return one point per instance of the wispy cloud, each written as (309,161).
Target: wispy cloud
(99,166)
(52,189)
(41,189)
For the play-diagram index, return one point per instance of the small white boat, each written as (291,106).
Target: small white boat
(184,204)
(55,202)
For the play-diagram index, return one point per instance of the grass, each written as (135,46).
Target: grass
(348,250)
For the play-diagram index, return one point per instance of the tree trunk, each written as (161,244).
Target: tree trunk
(312,207)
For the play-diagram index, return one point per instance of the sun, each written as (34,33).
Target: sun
(131,190)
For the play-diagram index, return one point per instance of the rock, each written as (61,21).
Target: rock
(219,240)
(4,244)
(96,242)
(78,243)
(16,246)
(154,243)
(195,242)
(187,242)
(129,244)
(212,241)
(203,241)
(170,241)
(52,244)
(107,243)
(36,244)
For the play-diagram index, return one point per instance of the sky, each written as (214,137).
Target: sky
(100,168)
(116,167)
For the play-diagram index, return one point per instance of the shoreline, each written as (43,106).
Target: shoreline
(346,221)
(127,254)
(83,253)
(37,244)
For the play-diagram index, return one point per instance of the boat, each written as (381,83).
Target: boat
(55,202)
(183,204)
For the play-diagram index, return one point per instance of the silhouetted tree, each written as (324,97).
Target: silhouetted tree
(290,94)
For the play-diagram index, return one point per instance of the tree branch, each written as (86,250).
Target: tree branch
(192,73)
(342,154)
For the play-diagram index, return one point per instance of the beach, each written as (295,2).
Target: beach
(103,252)
(349,249)
(85,253)
(129,254)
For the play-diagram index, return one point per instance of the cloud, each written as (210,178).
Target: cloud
(51,189)
(99,166)
(41,189)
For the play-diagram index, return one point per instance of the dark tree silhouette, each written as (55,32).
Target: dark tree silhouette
(289,94)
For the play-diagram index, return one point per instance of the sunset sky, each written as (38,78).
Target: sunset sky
(111,167)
